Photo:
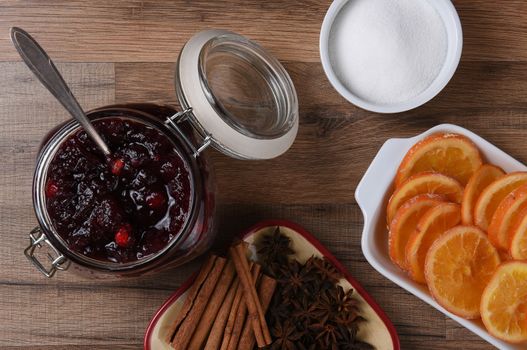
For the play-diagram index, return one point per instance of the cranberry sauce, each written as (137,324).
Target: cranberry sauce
(124,208)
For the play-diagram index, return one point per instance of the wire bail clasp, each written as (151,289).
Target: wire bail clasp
(58,262)
(173,121)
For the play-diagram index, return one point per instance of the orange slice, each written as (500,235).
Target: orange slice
(405,222)
(518,245)
(504,303)
(506,216)
(458,267)
(428,182)
(505,255)
(450,154)
(483,177)
(431,225)
(491,197)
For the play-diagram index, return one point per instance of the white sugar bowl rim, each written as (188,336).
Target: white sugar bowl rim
(450,18)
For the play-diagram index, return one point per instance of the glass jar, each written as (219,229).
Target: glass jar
(235,97)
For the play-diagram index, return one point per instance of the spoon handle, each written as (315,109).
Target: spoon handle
(42,66)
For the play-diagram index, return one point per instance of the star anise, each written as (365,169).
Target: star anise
(309,310)
(274,246)
(307,345)
(326,306)
(280,309)
(345,301)
(326,335)
(315,284)
(347,340)
(293,278)
(302,312)
(272,268)
(348,319)
(325,269)
(285,336)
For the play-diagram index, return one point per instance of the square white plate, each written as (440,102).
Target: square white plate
(372,195)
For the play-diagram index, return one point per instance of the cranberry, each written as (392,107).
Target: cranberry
(156,200)
(98,205)
(51,189)
(123,236)
(149,202)
(116,166)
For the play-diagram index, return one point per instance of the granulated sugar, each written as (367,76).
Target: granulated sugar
(387,51)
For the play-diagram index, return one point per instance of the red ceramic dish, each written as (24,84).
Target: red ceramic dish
(305,245)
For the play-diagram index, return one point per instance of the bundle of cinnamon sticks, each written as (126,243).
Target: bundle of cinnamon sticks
(225,307)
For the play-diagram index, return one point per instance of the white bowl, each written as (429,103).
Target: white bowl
(372,196)
(452,23)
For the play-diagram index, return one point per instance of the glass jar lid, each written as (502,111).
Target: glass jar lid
(237,95)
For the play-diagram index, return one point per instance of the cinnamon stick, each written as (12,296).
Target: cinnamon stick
(266,290)
(186,329)
(216,333)
(193,292)
(213,306)
(256,315)
(227,332)
(239,319)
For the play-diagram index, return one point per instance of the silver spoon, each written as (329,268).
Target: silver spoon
(42,66)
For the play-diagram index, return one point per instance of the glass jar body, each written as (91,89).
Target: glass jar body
(194,239)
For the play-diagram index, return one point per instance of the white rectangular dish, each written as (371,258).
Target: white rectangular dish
(372,195)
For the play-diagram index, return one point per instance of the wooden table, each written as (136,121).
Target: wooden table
(124,51)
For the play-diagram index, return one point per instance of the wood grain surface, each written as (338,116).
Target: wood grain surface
(124,51)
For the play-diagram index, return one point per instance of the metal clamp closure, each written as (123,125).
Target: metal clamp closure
(58,261)
(173,121)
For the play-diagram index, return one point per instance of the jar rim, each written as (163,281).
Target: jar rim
(230,131)
(236,47)
(47,154)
